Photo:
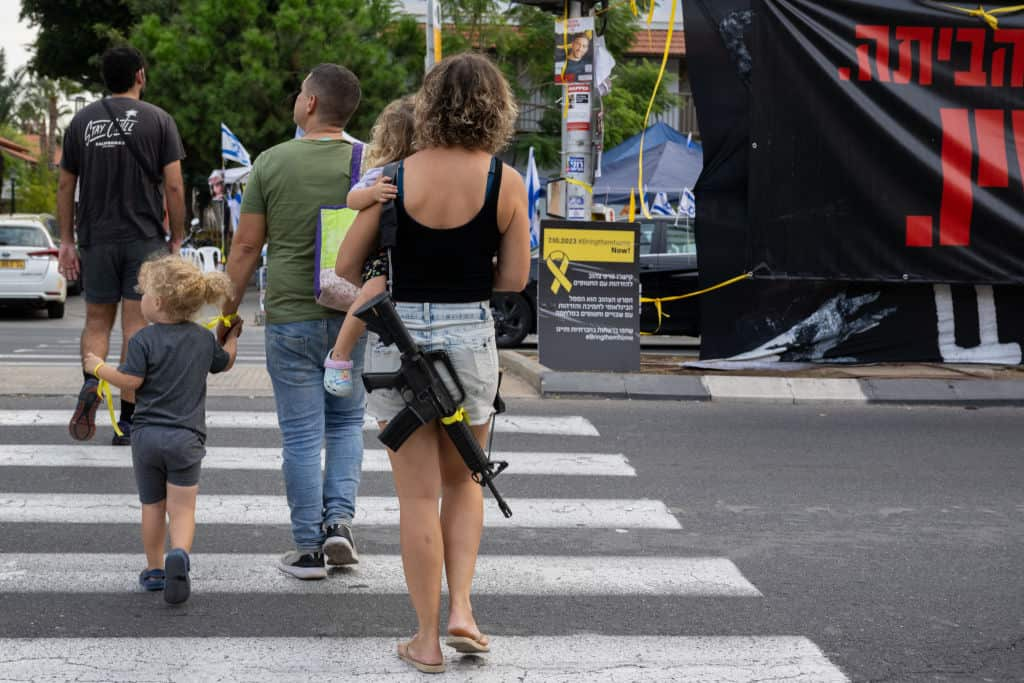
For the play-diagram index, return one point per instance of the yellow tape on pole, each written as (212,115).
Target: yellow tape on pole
(650,105)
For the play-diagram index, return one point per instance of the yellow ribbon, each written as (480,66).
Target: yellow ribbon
(632,205)
(657,301)
(988,16)
(650,105)
(226,319)
(458,416)
(580,183)
(559,272)
(104,392)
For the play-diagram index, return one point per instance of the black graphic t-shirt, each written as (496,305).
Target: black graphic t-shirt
(117,200)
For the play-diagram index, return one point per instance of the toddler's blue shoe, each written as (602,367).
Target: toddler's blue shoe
(337,377)
(178,586)
(152,579)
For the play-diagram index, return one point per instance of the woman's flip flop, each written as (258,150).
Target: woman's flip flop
(422,667)
(467,645)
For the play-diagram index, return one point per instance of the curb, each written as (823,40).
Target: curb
(750,388)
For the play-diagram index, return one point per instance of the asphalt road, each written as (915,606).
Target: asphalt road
(890,538)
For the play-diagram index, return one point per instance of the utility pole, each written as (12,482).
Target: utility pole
(577,133)
(433,30)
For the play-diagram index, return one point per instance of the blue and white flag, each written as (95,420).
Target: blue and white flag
(661,207)
(231,148)
(687,204)
(532,193)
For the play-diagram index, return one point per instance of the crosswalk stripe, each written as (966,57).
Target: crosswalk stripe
(583,513)
(374,460)
(582,657)
(77,359)
(571,425)
(495,574)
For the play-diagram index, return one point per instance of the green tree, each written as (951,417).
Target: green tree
(485,24)
(72,35)
(241,63)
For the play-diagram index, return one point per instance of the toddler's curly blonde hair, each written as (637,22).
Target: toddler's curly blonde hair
(183,288)
(392,134)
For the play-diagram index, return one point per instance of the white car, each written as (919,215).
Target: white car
(28,267)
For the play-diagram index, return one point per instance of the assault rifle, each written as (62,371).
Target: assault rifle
(426,395)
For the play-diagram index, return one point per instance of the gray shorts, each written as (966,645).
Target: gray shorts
(163,455)
(465,331)
(110,271)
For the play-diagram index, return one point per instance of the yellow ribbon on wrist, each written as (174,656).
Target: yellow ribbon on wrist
(458,416)
(226,319)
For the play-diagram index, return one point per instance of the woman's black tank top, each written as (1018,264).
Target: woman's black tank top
(446,266)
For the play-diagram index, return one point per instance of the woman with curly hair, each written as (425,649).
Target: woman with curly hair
(463,233)
(166,364)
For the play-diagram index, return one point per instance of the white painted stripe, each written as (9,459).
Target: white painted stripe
(566,657)
(495,574)
(551,513)
(572,425)
(374,460)
(255,362)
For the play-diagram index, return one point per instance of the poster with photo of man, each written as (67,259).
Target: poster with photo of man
(574,51)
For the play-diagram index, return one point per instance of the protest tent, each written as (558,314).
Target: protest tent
(669,166)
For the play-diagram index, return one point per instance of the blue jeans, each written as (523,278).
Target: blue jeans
(308,416)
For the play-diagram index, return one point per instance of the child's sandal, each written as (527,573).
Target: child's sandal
(152,579)
(337,376)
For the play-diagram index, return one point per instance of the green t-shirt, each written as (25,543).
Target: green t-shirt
(288,185)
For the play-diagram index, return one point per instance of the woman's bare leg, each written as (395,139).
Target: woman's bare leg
(462,522)
(418,485)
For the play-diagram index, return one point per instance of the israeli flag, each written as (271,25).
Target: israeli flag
(532,193)
(688,204)
(231,148)
(661,207)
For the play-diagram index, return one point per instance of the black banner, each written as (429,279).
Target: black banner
(887,141)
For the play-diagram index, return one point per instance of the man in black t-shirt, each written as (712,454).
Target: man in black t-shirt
(125,155)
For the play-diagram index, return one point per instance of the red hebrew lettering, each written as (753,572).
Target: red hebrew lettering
(919,231)
(975,76)
(992,167)
(999,67)
(945,44)
(1018,139)
(906,36)
(957,194)
(880,36)
(1015,37)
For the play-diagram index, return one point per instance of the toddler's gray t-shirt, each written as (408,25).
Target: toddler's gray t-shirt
(173,360)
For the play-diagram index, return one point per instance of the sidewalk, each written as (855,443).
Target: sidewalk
(664,378)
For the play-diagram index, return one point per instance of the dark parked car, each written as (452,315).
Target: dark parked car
(668,267)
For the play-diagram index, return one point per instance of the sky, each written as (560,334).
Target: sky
(14,36)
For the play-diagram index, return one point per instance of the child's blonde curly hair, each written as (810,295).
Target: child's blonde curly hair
(392,133)
(183,288)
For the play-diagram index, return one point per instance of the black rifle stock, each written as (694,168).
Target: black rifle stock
(426,395)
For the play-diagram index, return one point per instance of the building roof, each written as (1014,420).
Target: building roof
(652,43)
(12,148)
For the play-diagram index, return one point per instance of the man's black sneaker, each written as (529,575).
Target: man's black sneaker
(83,422)
(339,546)
(126,430)
(305,566)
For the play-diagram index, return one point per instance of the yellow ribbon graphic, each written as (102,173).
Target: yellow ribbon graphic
(988,15)
(558,270)
(458,416)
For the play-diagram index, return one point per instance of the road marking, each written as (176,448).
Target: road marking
(565,657)
(495,574)
(67,357)
(550,513)
(374,460)
(573,425)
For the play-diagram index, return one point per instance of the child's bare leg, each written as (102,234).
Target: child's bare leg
(181,508)
(352,328)
(154,533)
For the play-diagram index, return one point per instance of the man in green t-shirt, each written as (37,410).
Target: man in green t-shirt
(288,185)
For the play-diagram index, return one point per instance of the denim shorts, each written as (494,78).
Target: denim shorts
(466,332)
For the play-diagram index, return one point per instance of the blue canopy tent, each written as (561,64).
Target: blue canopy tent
(657,134)
(668,167)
